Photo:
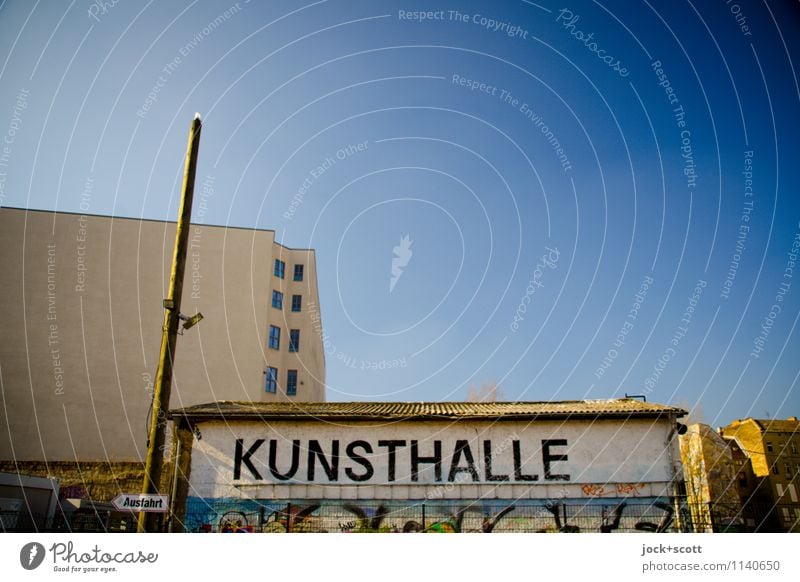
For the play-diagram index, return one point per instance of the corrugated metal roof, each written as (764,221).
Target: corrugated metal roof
(617,408)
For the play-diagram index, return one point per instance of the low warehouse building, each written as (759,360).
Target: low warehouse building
(600,465)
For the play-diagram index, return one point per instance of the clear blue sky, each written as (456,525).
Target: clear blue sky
(460,117)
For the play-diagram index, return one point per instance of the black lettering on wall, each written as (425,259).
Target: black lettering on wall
(273,454)
(331,468)
(548,457)
(435,460)
(392,446)
(462,449)
(368,470)
(518,474)
(487,463)
(241,457)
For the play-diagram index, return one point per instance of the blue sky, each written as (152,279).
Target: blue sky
(571,177)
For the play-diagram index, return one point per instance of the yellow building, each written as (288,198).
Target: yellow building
(773,447)
(710,477)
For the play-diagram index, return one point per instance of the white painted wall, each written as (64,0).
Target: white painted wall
(608,458)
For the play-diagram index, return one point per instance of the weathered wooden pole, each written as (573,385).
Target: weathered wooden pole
(172,309)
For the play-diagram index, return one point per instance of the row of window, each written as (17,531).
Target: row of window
(272,381)
(781,448)
(787,469)
(280,269)
(275,338)
(277,301)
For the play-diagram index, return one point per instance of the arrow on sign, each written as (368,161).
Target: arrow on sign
(153,503)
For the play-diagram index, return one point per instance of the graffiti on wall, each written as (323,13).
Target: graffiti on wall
(612,490)
(601,515)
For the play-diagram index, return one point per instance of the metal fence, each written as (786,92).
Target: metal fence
(459,517)
(71,522)
(249,516)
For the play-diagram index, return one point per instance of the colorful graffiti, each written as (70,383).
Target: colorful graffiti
(617,490)
(598,514)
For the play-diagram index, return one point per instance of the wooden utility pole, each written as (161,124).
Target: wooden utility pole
(172,308)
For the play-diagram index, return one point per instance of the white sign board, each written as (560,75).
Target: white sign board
(139,502)
(590,456)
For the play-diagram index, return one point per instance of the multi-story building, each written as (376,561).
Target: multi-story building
(710,476)
(773,447)
(81,310)
(758,509)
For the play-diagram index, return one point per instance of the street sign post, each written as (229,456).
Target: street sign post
(152,503)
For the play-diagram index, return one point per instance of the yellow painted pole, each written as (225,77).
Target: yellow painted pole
(172,309)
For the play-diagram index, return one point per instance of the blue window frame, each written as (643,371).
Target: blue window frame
(280,267)
(298,272)
(277,299)
(272,380)
(274,337)
(291,383)
(297,302)
(294,340)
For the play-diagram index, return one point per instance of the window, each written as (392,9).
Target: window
(298,272)
(272,380)
(297,301)
(769,447)
(274,337)
(294,340)
(794,448)
(291,382)
(788,468)
(280,266)
(277,300)
(775,469)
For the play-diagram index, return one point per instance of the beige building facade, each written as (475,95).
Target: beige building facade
(82,313)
